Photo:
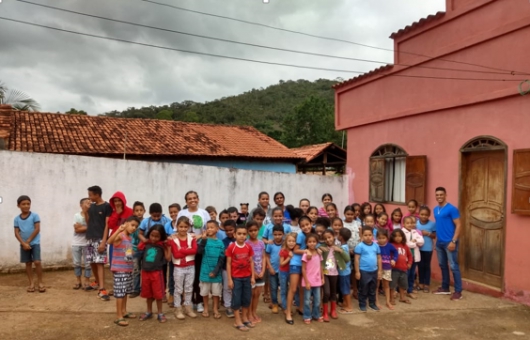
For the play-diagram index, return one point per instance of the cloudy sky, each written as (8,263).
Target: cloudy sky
(62,70)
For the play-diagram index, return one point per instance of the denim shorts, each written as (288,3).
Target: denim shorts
(295,269)
(31,255)
(344,284)
(242,293)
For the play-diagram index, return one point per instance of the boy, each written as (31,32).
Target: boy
(258,215)
(212,212)
(174,210)
(211,278)
(273,264)
(240,272)
(79,246)
(223,217)
(233,213)
(96,233)
(344,275)
(230,228)
(27,232)
(368,269)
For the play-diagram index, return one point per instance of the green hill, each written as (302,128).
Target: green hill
(295,113)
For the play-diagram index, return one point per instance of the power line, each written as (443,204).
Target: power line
(252,44)
(513,72)
(236,58)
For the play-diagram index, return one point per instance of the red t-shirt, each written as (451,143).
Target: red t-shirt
(404,257)
(183,252)
(241,257)
(283,254)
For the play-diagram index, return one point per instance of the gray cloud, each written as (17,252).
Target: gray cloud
(62,70)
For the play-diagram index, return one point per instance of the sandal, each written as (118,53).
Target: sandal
(30,289)
(241,328)
(249,324)
(129,316)
(205,314)
(320,319)
(161,318)
(42,289)
(121,322)
(77,286)
(145,316)
(216,315)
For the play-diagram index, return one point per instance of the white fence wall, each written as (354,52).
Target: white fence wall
(56,183)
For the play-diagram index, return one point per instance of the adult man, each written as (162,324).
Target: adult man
(448,228)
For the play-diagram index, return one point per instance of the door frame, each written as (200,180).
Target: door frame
(481,143)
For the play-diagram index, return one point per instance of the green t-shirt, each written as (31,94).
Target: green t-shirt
(213,252)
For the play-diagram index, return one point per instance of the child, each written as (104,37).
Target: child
(171,228)
(122,266)
(396,218)
(277,219)
(312,213)
(273,264)
(212,212)
(379,208)
(27,232)
(279,199)
(211,277)
(382,222)
(357,209)
(368,269)
(183,248)
(312,280)
(79,246)
(320,228)
(258,248)
(155,253)
(369,221)
(295,214)
(412,207)
(414,242)
(345,274)
(332,211)
(258,215)
(223,217)
(403,264)
(304,204)
(240,272)
(428,230)
(286,254)
(263,203)
(138,211)
(334,258)
(366,209)
(243,214)
(354,227)
(233,213)
(389,257)
(336,225)
(230,228)
(326,199)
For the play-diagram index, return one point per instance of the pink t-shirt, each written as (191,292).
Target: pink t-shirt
(314,276)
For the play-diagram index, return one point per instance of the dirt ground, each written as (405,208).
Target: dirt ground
(64,313)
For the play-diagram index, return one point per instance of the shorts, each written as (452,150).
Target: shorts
(344,284)
(216,288)
(387,274)
(399,279)
(242,293)
(32,255)
(295,269)
(123,284)
(92,254)
(153,285)
(259,283)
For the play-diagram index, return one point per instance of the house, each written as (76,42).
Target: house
(240,147)
(413,131)
(321,158)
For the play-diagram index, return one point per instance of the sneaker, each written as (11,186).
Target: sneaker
(274,309)
(229,313)
(441,291)
(374,307)
(103,295)
(134,295)
(200,308)
(363,309)
(456,296)
(93,286)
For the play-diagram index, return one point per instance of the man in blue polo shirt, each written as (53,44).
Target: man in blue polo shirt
(448,229)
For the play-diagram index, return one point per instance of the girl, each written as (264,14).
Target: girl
(331,210)
(243,214)
(263,203)
(277,219)
(379,208)
(312,213)
(396,218)
(279,199)
(295,214)
(184,250)
(320,228)
(286,254)
(389,256)
(312,280)
(295,268)
(304,205)
(333,260)
(355,227)
(382,222)
(369,221)
(336,225)
(155,252)
(403,263)
(412,206)
(414,242)
(326,199)
(258,248)
(357,209)
(366,209)
(428,230)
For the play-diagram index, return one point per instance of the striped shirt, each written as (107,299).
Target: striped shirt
(122,255)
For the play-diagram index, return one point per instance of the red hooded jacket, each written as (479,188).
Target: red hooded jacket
(115,219)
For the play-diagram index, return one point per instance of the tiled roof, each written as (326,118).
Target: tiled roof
(417,24)
(364,75)
(310,152)
(90,135)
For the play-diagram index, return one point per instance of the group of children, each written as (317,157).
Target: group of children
(316,259)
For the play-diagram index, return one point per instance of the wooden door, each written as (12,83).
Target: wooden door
(482,210)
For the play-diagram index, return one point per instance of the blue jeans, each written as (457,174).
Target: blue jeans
(315,311)
(284,288)
(424,268)
(411,274)
(448,259)
(274,281)
(367,288)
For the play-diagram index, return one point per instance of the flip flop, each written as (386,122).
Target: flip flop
(145,316)
(205,314)
(77,286)
(241,328)
(129,316)
(216,315)
(30,289)
(121,322)
(249,324)
(42,289)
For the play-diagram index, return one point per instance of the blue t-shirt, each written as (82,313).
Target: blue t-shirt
(368,260)
(267,233)
(274,252)
(445,225)
(286,217)
(347,271)
(388,253)
(227,241)
(296,260)
(147,223)
(430,226)
(221,234)
(27,226)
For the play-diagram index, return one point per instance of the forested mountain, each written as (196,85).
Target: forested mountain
(295,113)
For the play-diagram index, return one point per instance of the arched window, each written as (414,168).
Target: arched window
(395,176)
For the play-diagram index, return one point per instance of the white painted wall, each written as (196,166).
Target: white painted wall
(56,183)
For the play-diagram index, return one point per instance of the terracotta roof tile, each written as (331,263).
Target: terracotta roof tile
(310,152)
(368,74)
(79,134)
(417,24)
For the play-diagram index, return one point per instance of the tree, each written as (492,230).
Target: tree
(17,99)
(164,115)
(76,112)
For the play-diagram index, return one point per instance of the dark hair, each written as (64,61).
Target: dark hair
(262,193)
(320,226)
(337,219)
(210,209)
(355,205)
(327,195)
(242,204)
(95,189)
(155,208)
(323,221)
(175,205)
(295,213)
(133,218)
(345,233)
(365,228)
(251,223)
(23,198)
(229,223)
(406,218)
(424,207)
(397,210)
(401,233)
(382,214)
(278,227)
(332,205)
(304,218)
(348,208)
(413,201)
(214,222)
(383,232)
(304,199)
(138,203)
(240,226)
(311,208)
(223,212)
(184,219)
(379,205)
(258,212)
(440,189)
(369,215)
(232,210)
(279,193)
(277,209)
(310,236)
(364,205)
(328,231)
(161,230)
(81,200)
(190,192)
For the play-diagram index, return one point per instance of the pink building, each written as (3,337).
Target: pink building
(410,131)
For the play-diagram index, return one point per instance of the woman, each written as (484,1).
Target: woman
(279,199)
(263,203)
(326,199)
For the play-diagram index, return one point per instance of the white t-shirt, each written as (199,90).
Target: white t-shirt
(79,238)
(355,238)
(198,220)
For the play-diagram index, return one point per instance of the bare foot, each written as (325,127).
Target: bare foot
(389,305)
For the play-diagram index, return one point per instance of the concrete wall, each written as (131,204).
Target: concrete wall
(55,184)
(244,165)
